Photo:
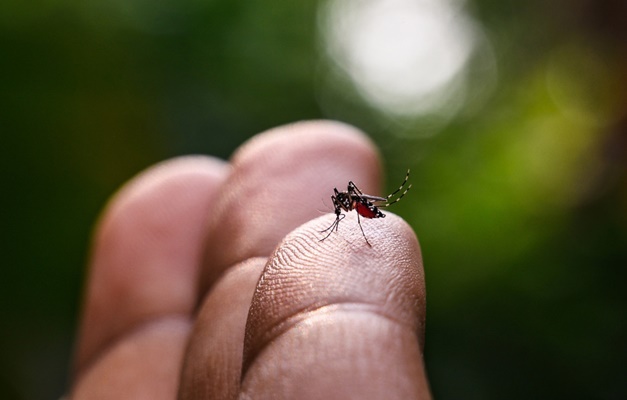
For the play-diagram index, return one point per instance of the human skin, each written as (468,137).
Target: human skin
(208,280)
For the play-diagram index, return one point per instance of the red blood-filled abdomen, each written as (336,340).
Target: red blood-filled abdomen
(365,211)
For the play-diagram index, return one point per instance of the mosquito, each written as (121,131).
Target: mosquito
(366,205)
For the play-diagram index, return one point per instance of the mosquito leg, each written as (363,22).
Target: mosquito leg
(397,199)
(362,230)
(390,196)
(400,187)
(334,226)
(330,231)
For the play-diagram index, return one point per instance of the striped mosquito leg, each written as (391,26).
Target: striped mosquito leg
(399,197)
(400,187)
(398,190)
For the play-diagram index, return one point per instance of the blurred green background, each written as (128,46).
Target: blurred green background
(511,115)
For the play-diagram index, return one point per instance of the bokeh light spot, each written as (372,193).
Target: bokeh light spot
(405,57)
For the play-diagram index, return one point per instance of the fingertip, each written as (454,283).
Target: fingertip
(146,250)
(329,138)
(151,190)
(305,276)
(353,313)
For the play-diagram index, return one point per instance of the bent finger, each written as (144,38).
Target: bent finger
(278,181)
(339,319)
(147,252)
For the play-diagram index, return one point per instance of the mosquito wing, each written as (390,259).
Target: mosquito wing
(372,198)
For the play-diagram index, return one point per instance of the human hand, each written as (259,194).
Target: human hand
(189,295)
